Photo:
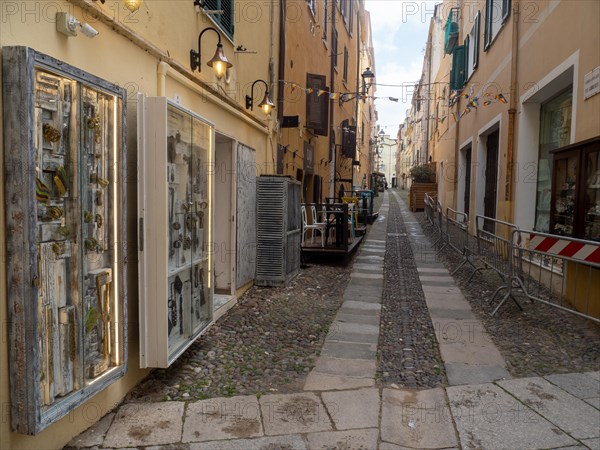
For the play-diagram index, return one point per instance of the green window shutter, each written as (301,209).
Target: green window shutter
(476,43)
(487,34)
(225,20)
(457,75)
(466,45)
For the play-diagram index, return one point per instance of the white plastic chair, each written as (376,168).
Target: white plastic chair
(319,226)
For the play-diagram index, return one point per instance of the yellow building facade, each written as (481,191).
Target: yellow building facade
(147,51)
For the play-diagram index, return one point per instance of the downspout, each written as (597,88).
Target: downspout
(281,73)
(332,147)
(428,97)
(358,57)
(512,113)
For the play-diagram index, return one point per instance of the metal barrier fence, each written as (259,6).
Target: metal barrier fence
(457,231)
(558,271)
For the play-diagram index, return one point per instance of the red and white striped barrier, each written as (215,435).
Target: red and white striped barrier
(585,251)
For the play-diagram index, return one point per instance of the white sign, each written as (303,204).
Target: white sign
(591,83)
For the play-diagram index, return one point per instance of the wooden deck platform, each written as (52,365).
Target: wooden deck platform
(314,249)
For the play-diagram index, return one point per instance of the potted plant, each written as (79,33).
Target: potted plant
(423,181)
(422,174)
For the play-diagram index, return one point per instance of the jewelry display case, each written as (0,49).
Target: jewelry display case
(575,208)
(64,143)
(175,153)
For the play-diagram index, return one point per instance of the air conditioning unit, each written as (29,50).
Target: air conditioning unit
(278,230)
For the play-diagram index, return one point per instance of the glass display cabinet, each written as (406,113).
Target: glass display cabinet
(175,210)
(575,207)
(64,144)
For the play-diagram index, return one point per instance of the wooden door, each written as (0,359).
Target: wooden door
(491,180)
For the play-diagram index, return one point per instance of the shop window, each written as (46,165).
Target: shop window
(65,180)
(225,19)
(317,106)
(496,13)
(555,132)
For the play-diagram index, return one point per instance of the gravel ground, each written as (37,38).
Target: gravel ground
(268,343)
(540,340)
(408,352)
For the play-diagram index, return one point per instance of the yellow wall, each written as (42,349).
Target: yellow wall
(128,54)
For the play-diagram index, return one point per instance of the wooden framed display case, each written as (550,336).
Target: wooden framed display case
(175,153)
(575,207)
(64,146)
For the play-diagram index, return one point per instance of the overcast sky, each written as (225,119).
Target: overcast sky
(399,36)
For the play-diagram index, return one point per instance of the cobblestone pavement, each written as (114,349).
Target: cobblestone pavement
(408,352)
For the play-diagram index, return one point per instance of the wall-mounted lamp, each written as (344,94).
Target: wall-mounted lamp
(266,105)
(132,5)
(68,25)
(367,75)
(218,62)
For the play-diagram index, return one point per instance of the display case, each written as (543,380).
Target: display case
(175,211)
(575,208)
(64,143)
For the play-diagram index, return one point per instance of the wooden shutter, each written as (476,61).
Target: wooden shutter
(487,34)
(457,75)
(506,4)
(225,20)
(317,107)
(476,43)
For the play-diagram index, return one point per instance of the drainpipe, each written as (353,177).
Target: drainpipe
(332,191)
(512,112)
(358,17)
(281,68)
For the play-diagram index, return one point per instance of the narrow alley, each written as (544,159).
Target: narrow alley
(389,353)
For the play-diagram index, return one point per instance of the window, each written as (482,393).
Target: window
(496,13)
(334,47)
(325,19)
(362,133)
(345,72)
(225,20)
(317,106)
(472,48)
(457,75)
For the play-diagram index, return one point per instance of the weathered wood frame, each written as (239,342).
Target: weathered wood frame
(28,416)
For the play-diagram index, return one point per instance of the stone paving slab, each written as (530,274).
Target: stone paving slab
(374,267)
(344,440)
(93,436)
(353,337)
(356,296)
(222,418)
(345,327)
(292,442)
(459,374)
(354,368)
(570,414)
(453,314)
(578,384)
(293,414)
(360,305)
(447,278)
(365,284)
(368,276)
(365,319)
(324,382)
(375,312)
(486,415)
(142,424)
(595,402)
(432,270)
(349,350)
(441,290)
(417,419)
(594,444)
(353,409)
(447,301)
(388,446)
(594,375)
